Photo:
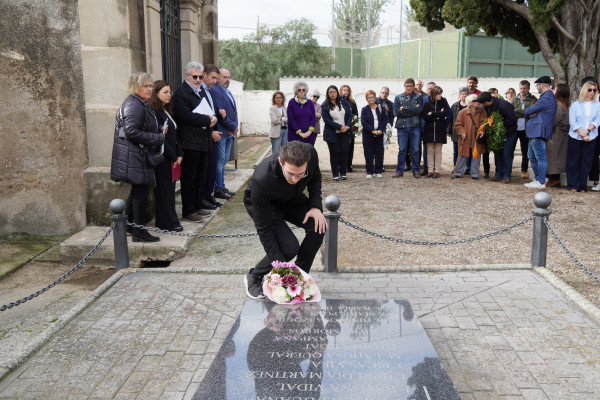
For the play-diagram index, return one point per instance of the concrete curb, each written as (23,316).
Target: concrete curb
(589,308)
(262,157)
(47,334)
(433,268)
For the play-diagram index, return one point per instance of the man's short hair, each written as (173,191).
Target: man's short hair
(463,89)
(484,97)
(210,68)
(525,82)
(492,90)
(295,153)
(193,65)
(409,80)
(473,78)
(431,83)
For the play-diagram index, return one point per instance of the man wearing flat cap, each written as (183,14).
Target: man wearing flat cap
(540,120)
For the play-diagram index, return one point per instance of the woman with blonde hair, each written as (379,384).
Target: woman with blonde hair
(466,125)
(278,116)
(584,119)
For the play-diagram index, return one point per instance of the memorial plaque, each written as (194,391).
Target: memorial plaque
(331,350)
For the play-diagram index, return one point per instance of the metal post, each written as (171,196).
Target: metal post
(117,206)
(332,203)
(539,243)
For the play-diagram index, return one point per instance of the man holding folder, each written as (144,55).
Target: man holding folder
(195,120)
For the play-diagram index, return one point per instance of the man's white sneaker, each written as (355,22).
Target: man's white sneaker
(596,187)
(369,176)
(381,176)
(535,185)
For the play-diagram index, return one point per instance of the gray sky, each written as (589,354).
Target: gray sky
(239,17)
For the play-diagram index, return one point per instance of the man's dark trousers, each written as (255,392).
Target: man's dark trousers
(288,243)
(193,168)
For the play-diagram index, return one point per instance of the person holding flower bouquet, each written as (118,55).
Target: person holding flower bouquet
(467,124)
(275,195)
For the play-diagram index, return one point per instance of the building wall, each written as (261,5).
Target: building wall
(43,129)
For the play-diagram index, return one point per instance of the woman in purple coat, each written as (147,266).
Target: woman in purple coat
(301,116)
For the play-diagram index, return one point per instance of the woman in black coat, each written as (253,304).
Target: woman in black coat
(164,191)
(435,111)
(373,120)
(128,163)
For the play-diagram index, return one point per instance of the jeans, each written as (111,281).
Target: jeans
(277,143)
(404,135)
(223,148)
(537,158)
(509,155)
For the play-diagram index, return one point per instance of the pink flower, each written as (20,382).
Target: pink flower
(294,290)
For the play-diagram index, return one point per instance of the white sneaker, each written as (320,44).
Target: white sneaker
(369,176)
(596,187)
(535,185)
(381,176)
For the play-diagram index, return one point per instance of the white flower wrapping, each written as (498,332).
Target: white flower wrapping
(276,290)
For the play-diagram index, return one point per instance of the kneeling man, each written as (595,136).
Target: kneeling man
(276,195)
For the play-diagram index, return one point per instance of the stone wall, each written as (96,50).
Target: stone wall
(42,114)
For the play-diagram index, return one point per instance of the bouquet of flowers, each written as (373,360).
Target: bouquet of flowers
(356,126)
(496,133)
(288,284)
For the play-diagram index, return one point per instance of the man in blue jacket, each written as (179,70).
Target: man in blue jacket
(539,129)
(227,126)
(408,107)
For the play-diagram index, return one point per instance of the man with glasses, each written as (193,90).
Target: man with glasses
(408,107)
(521,103)
(276,195)
(388,106)
(540,122)
(195,130)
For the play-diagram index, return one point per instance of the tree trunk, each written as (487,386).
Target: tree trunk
(579,58)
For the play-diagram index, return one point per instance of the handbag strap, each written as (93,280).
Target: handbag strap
(472,120)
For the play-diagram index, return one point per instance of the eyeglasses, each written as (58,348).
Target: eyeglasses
(293,176)
(196,77)
(301,90)
(592,90)
(315,97)
(370,97)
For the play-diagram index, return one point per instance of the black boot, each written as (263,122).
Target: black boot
(139,213)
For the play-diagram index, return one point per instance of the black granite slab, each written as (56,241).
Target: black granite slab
(332,350)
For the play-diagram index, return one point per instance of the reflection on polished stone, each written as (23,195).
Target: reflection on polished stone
(334,349)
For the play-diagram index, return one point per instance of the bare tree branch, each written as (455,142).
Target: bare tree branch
(561,29)
(585,7)
(557,70)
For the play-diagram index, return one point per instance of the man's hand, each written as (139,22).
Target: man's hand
(317,215)
(223,113)
(213,120)
(216,136)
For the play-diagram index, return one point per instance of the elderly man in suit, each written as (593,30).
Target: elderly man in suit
(227,126)
(195,131)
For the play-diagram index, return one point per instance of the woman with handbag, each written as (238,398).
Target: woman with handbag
(136,132)
(164,191)
(374,121)
(278,117)
(466,125)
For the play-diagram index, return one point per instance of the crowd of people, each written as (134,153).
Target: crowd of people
(162,136)
(555,136)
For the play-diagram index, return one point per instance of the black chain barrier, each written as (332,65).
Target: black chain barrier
(62,278)
(577,262)
(429,243)
(197,235)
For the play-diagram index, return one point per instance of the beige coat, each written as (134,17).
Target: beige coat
(464,124)
(276,121)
